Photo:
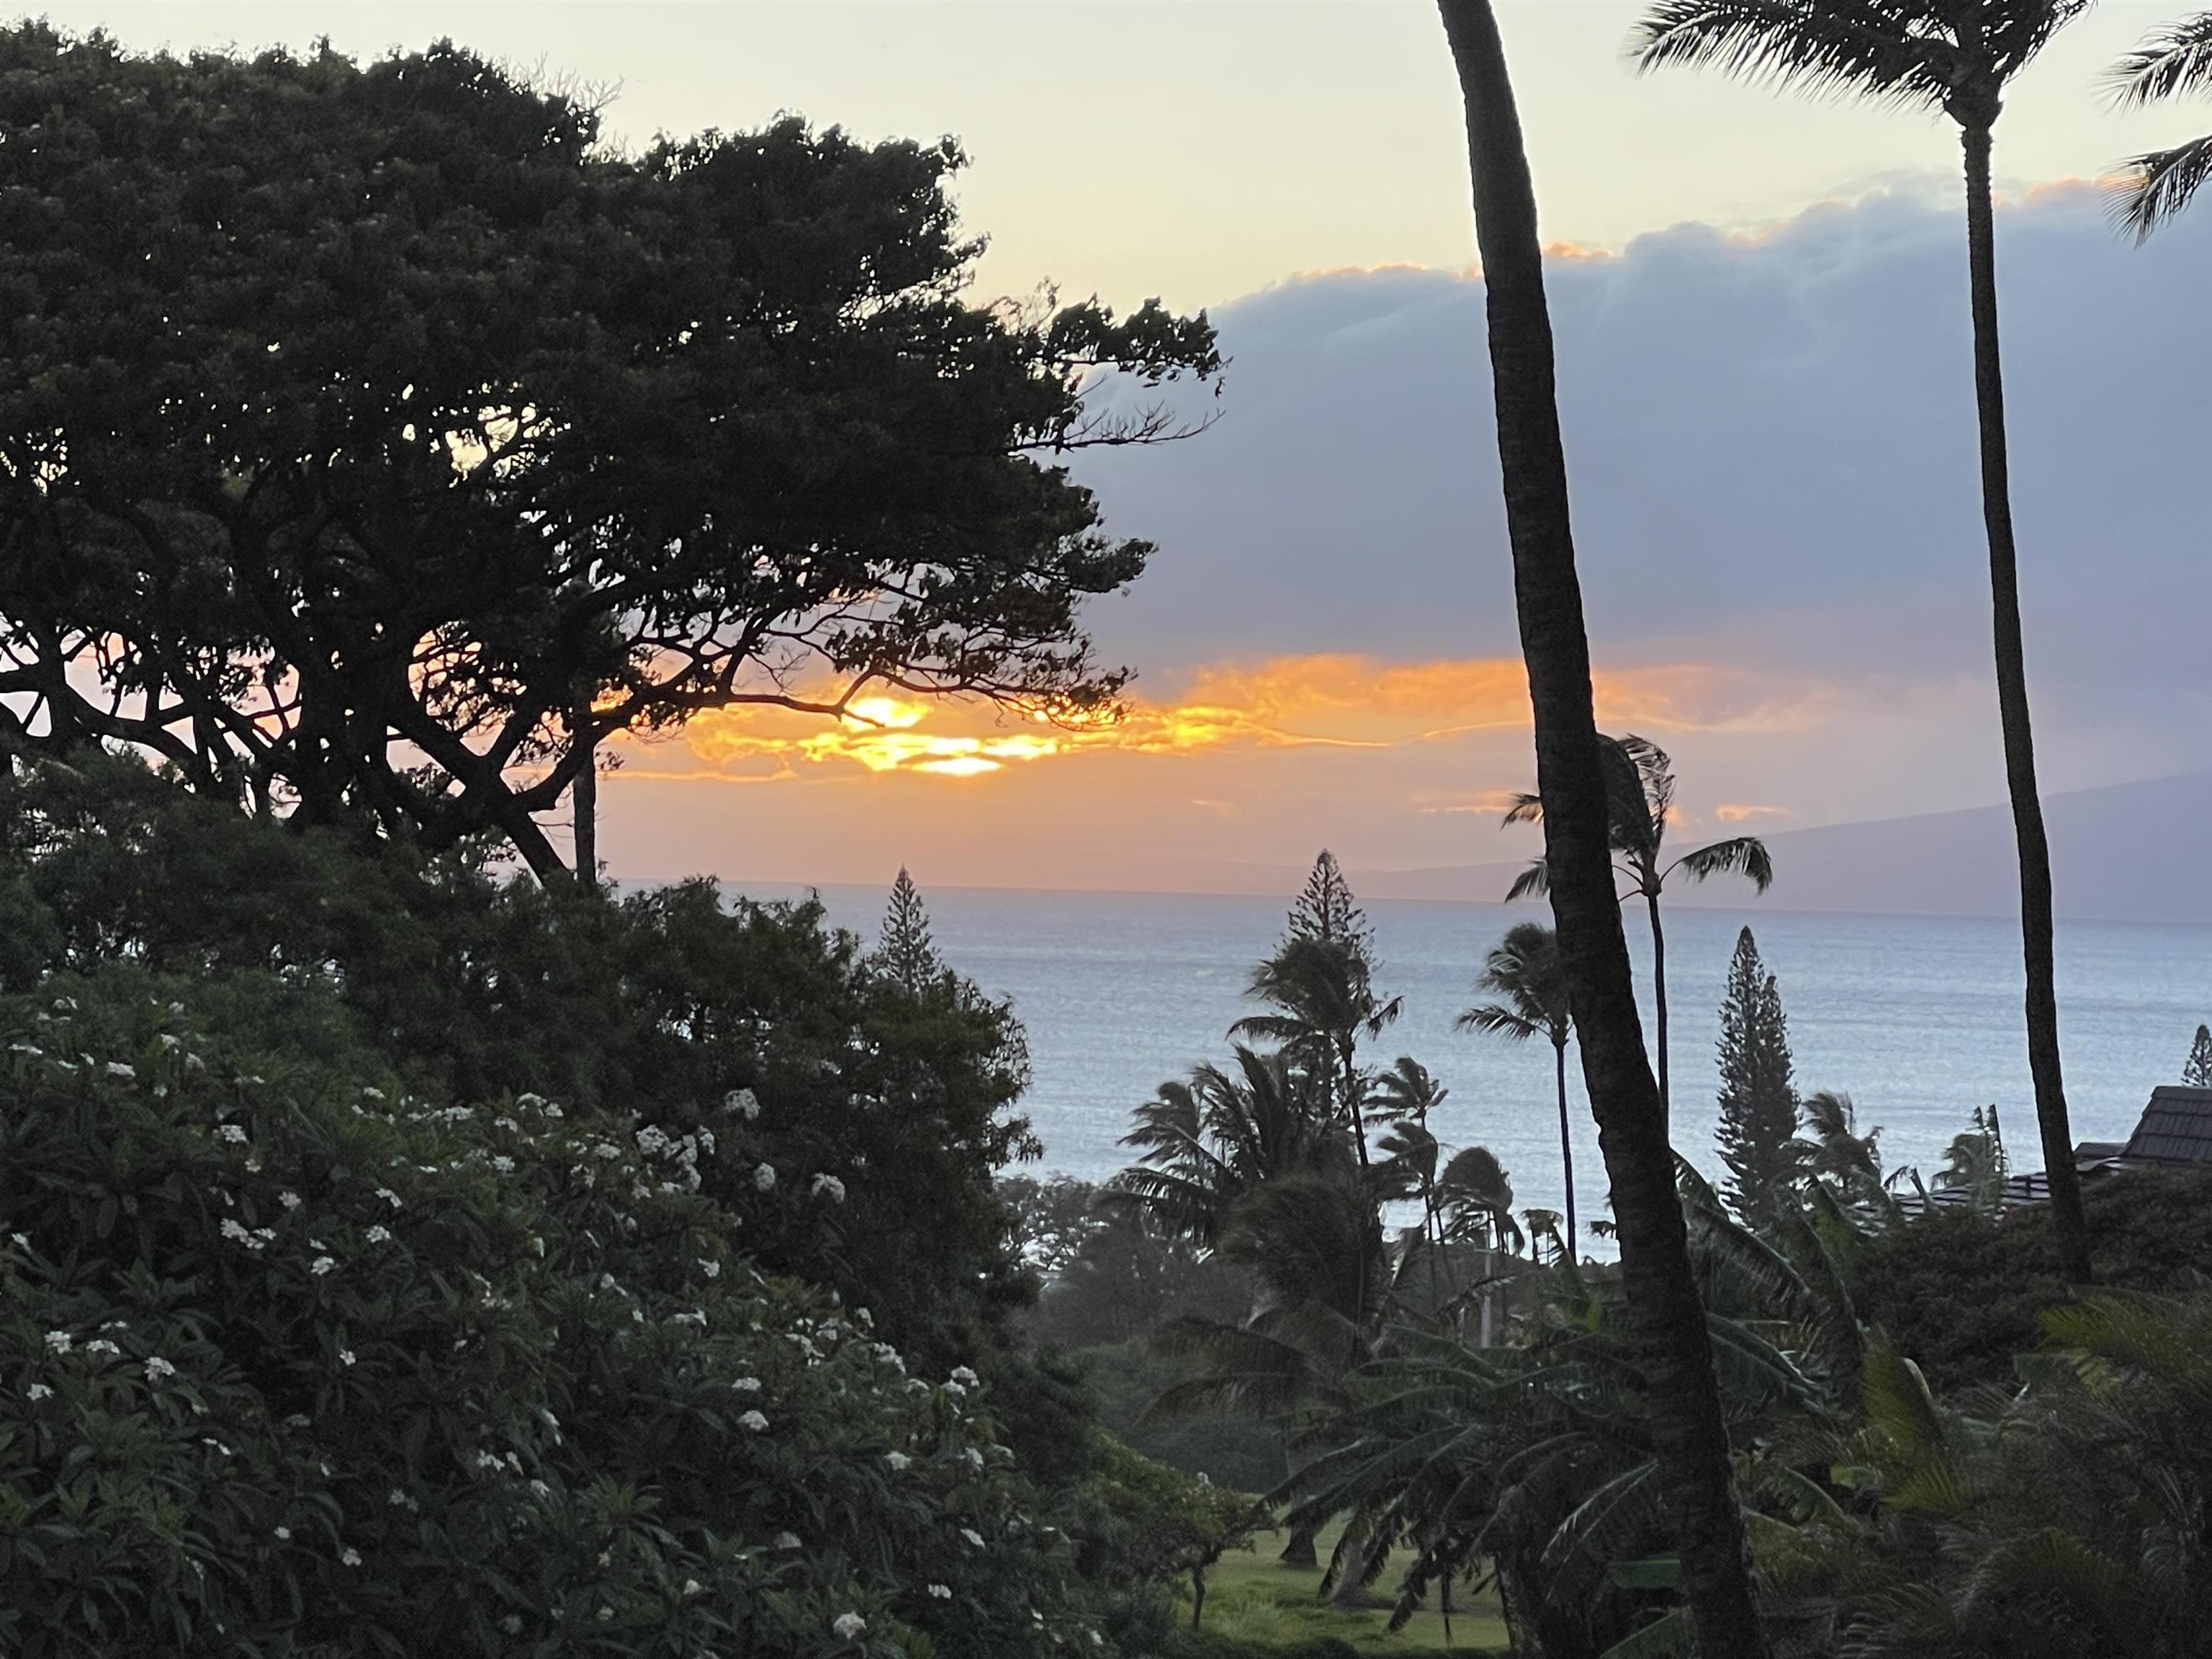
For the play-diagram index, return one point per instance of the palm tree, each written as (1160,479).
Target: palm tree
(1955,56)
(1407,1094)
(1322,992)
(1475,1201)
(1832,1153)
(1640,788)
(1208,1143)
(1683,1402)
(2175,59)
(1523,970)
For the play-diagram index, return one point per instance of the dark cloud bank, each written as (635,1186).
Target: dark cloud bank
(1770,441)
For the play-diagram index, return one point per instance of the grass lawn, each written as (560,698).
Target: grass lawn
(1254,1599)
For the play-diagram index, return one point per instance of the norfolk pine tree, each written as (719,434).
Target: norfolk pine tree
(1758,1099)
(2197,1070)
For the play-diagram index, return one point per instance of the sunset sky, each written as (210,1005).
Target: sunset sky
(1761,312)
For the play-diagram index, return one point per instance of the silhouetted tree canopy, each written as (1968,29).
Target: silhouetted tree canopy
(359,421)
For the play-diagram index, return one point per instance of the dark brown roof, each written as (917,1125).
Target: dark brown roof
(2176,1128)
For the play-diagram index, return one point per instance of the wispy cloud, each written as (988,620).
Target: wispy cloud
(1730,811)
(1325,701)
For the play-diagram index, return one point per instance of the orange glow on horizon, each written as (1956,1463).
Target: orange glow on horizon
(1327,701)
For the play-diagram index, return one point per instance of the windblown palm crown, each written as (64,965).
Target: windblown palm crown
(2174,60)
(1955,56)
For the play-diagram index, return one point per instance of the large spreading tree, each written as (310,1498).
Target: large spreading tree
(376,440)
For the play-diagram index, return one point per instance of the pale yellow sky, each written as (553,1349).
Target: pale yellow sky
(1202,150)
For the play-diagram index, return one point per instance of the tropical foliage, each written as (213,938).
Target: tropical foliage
(2171,61)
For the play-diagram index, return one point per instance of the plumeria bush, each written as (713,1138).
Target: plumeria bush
(296,1363)
(439,977)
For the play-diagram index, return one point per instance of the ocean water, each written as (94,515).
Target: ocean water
(1917,1019)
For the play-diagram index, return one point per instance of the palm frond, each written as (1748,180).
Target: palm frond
(2175,59)
(1746,855)
(1819,47)
(2158,185)
(1666,1636)
(1535,881)
(1526,808)
(1493,1020)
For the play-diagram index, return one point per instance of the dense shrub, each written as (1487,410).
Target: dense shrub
(1963,1295)
(438,977)
(296,1365)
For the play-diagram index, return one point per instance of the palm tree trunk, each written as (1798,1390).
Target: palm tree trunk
(1350,1591)
(584,797)
(1348,1080)
(1688,1432)
(2069,1227)
(1659,999)
(1567,1143)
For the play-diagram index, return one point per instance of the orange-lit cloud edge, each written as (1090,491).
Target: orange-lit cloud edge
(1340,702)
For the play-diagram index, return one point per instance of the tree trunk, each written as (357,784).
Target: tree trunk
(1197,1595)
(1566,1144)
(1350,1591)
(1298,1549)
(1688,1431)
(2068,1229)
(584,797)
(1659,1003)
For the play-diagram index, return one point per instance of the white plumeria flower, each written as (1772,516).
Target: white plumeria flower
(117,1068)
(941,1592)
(849,1626)
(747,1385)
(972,1536)
(345,1356)
(350,1557)
(743,1102)
(753,1423)
(830,1185)
(378,1235)
(389,1196)
(764,1177)
(290,1200)
(157,1368)
(898,1461)
(711,1268)
(503,1163)
(692,1586)
(38,1391)
(233,1133)
(284,1532)
(965,1377)
(322,1264)
(60,1341)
